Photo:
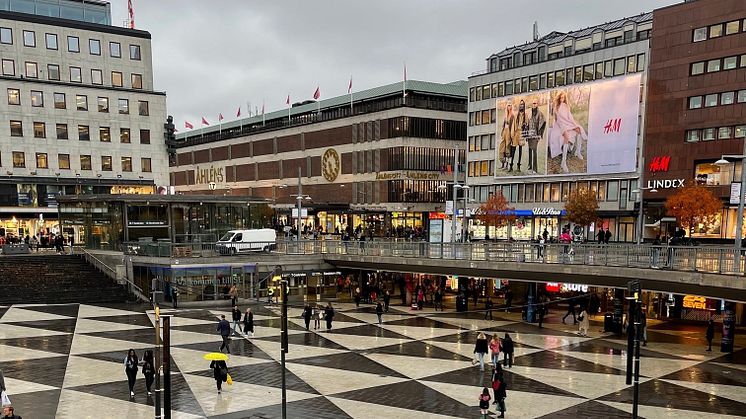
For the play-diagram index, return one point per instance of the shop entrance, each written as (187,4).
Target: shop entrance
(551,224)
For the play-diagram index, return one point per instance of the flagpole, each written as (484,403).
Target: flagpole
(404,86)
(240,120)
(263,120)
(288,103)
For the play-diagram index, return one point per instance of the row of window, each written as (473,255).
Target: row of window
(715,99)
(481,168)
(606,190)
(719,29)
(63,162)
(31,71)
(81,102)
(580,74)
(482,142)
(84,132)
(717,133)
(73,44)
(717,64)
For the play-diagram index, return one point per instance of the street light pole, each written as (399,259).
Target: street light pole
(739,220)
(299,198)
(455,194)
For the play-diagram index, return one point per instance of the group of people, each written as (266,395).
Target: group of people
(316,313)
(57,241)
(132,366)
(224,327)
(499,386)
(518,130)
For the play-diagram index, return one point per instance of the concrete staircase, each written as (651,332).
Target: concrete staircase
(55,279)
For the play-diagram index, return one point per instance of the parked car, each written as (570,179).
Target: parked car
(237,241)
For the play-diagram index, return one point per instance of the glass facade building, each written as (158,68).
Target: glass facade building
(92,11)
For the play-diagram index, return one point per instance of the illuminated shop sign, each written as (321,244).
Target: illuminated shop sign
(666,184)
(695,301)
(560,287)
(659,164)
(540,212)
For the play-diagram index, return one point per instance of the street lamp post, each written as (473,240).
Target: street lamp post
(299,197)
(641,213)
(739,221)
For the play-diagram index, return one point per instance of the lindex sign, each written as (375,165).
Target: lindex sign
(666,183)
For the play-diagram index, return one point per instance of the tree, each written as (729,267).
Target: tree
(582,207)
(693,204)
(496,212)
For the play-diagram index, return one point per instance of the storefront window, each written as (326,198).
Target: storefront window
(709,174)
(555,192)
(612,191)
(529,195)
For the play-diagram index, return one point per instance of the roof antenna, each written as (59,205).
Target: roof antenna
(536,31)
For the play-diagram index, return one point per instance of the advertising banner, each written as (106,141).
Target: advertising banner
(589,128)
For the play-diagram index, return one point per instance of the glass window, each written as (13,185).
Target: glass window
(740,131)
(724,133)
(73,44)
(578,74)
(85,162)
(14,97)
(40,130)
(550,80)
(104,134)
(136,81)
(727,98)
(708,174)
(743,60)
(59,101)
(729,63)
(124,135)
(103,104)
(599,73)
(84,133)
(94,46)
(698,68)
(115,49)
(41,161)
(533,83)
(53,72)
(146,166)
(608,68)
(19,159)
(116,79)
(32,70)
(106,163)
(124,106)
(588,72)
(63,161)
(708,134)
(51,40)
(732,27)
(37,99)
(640,62)
(9,67)
(144,136)
(6,36)
(695,102)
(619,64)
(29,38)
(485,142)
(612,190)
(700,34)
(97,76)
(126,164)
(82,102)
(16,129)
(713,66)
(693,136)
(61,131)
(631,64)
(741,96)
(76,75)
(716,30)
(559,77)
(711,100)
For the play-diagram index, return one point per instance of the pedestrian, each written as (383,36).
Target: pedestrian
(507,347)
(130,367)
(236,316)
(499,389)
(225,331)
(495,350)
(35,243)
(307,316)
(584,323)
(488,308)
(656,251)
(357,297)
(9,413)
(175,297)
(570,310)
(248,323)
(509,298)
(220,373)
(709,335)
(71,240)
(438,299)
(541,311)
(379,313)
(329,316)
(148,370)
(484,403)
(480,350)
(540,248)
(234,295)
(607,236)
(601,235)
(386,301)
(420,299)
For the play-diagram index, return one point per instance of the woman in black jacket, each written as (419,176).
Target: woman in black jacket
(500,389)
(220,372)
(148,370)
(481,348)
(248,322)
(130,367)
(307,316)
(329,316)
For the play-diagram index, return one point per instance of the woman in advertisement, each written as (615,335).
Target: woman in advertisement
(566,133)
(506,135)
(518,138)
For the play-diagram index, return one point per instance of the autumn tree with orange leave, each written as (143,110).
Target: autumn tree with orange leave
(496,212)
(693,204)
(582,207)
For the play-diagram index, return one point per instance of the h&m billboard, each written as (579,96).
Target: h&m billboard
(588,128)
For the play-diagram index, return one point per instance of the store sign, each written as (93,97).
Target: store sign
(560,287)
(449,207)
(410,175)
(735,192)
(659,164)
(695,301)
(437,216)
(666,184)
(547,211)
(303,212)
(133,223)
(207,175)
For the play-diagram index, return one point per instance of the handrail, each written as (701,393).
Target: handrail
(111,273)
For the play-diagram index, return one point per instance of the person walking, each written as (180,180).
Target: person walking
(607,236)
(480,350)
(488,308)
(329,316)
(495,350)
(35,243)
(148,370)
(175,297)
(484,403)
(379,313)
(9,413)
(507,347)
(225,332)
(234,295)
(386,301)
(316,314)
(220,373)
(130,368)
(236,316)
(656,248)
(541,311)
(307,316)
(709,335)
(570,310)
(357,297)
(71,241)
(248,323)
(509,298)
(499,389)
(584,323)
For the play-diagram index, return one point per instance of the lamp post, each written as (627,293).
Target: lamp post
(739,221)
(641,214)
(456,187)
(299,197)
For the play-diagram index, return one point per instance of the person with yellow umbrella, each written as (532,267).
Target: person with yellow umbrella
(219,369)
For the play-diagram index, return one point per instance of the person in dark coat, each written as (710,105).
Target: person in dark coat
(236,316)
(357,297)
(220,373)
(507,347)
(481,348)
(541,311)
(148,370)
(248,322)
(9,413)
(307,316)
(386,301)
(488,308)
(499,389)
(710,334)
(225,331)
(570,310)
(379,313)
(329,316)
(130,367)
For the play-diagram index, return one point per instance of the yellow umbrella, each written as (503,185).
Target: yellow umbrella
(215,356)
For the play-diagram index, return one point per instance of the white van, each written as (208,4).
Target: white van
(236,241)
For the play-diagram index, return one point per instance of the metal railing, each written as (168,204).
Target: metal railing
(706,259)
(107,270)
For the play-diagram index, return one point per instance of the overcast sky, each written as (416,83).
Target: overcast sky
(212,56)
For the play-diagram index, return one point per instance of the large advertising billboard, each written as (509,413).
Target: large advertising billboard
(589,128)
